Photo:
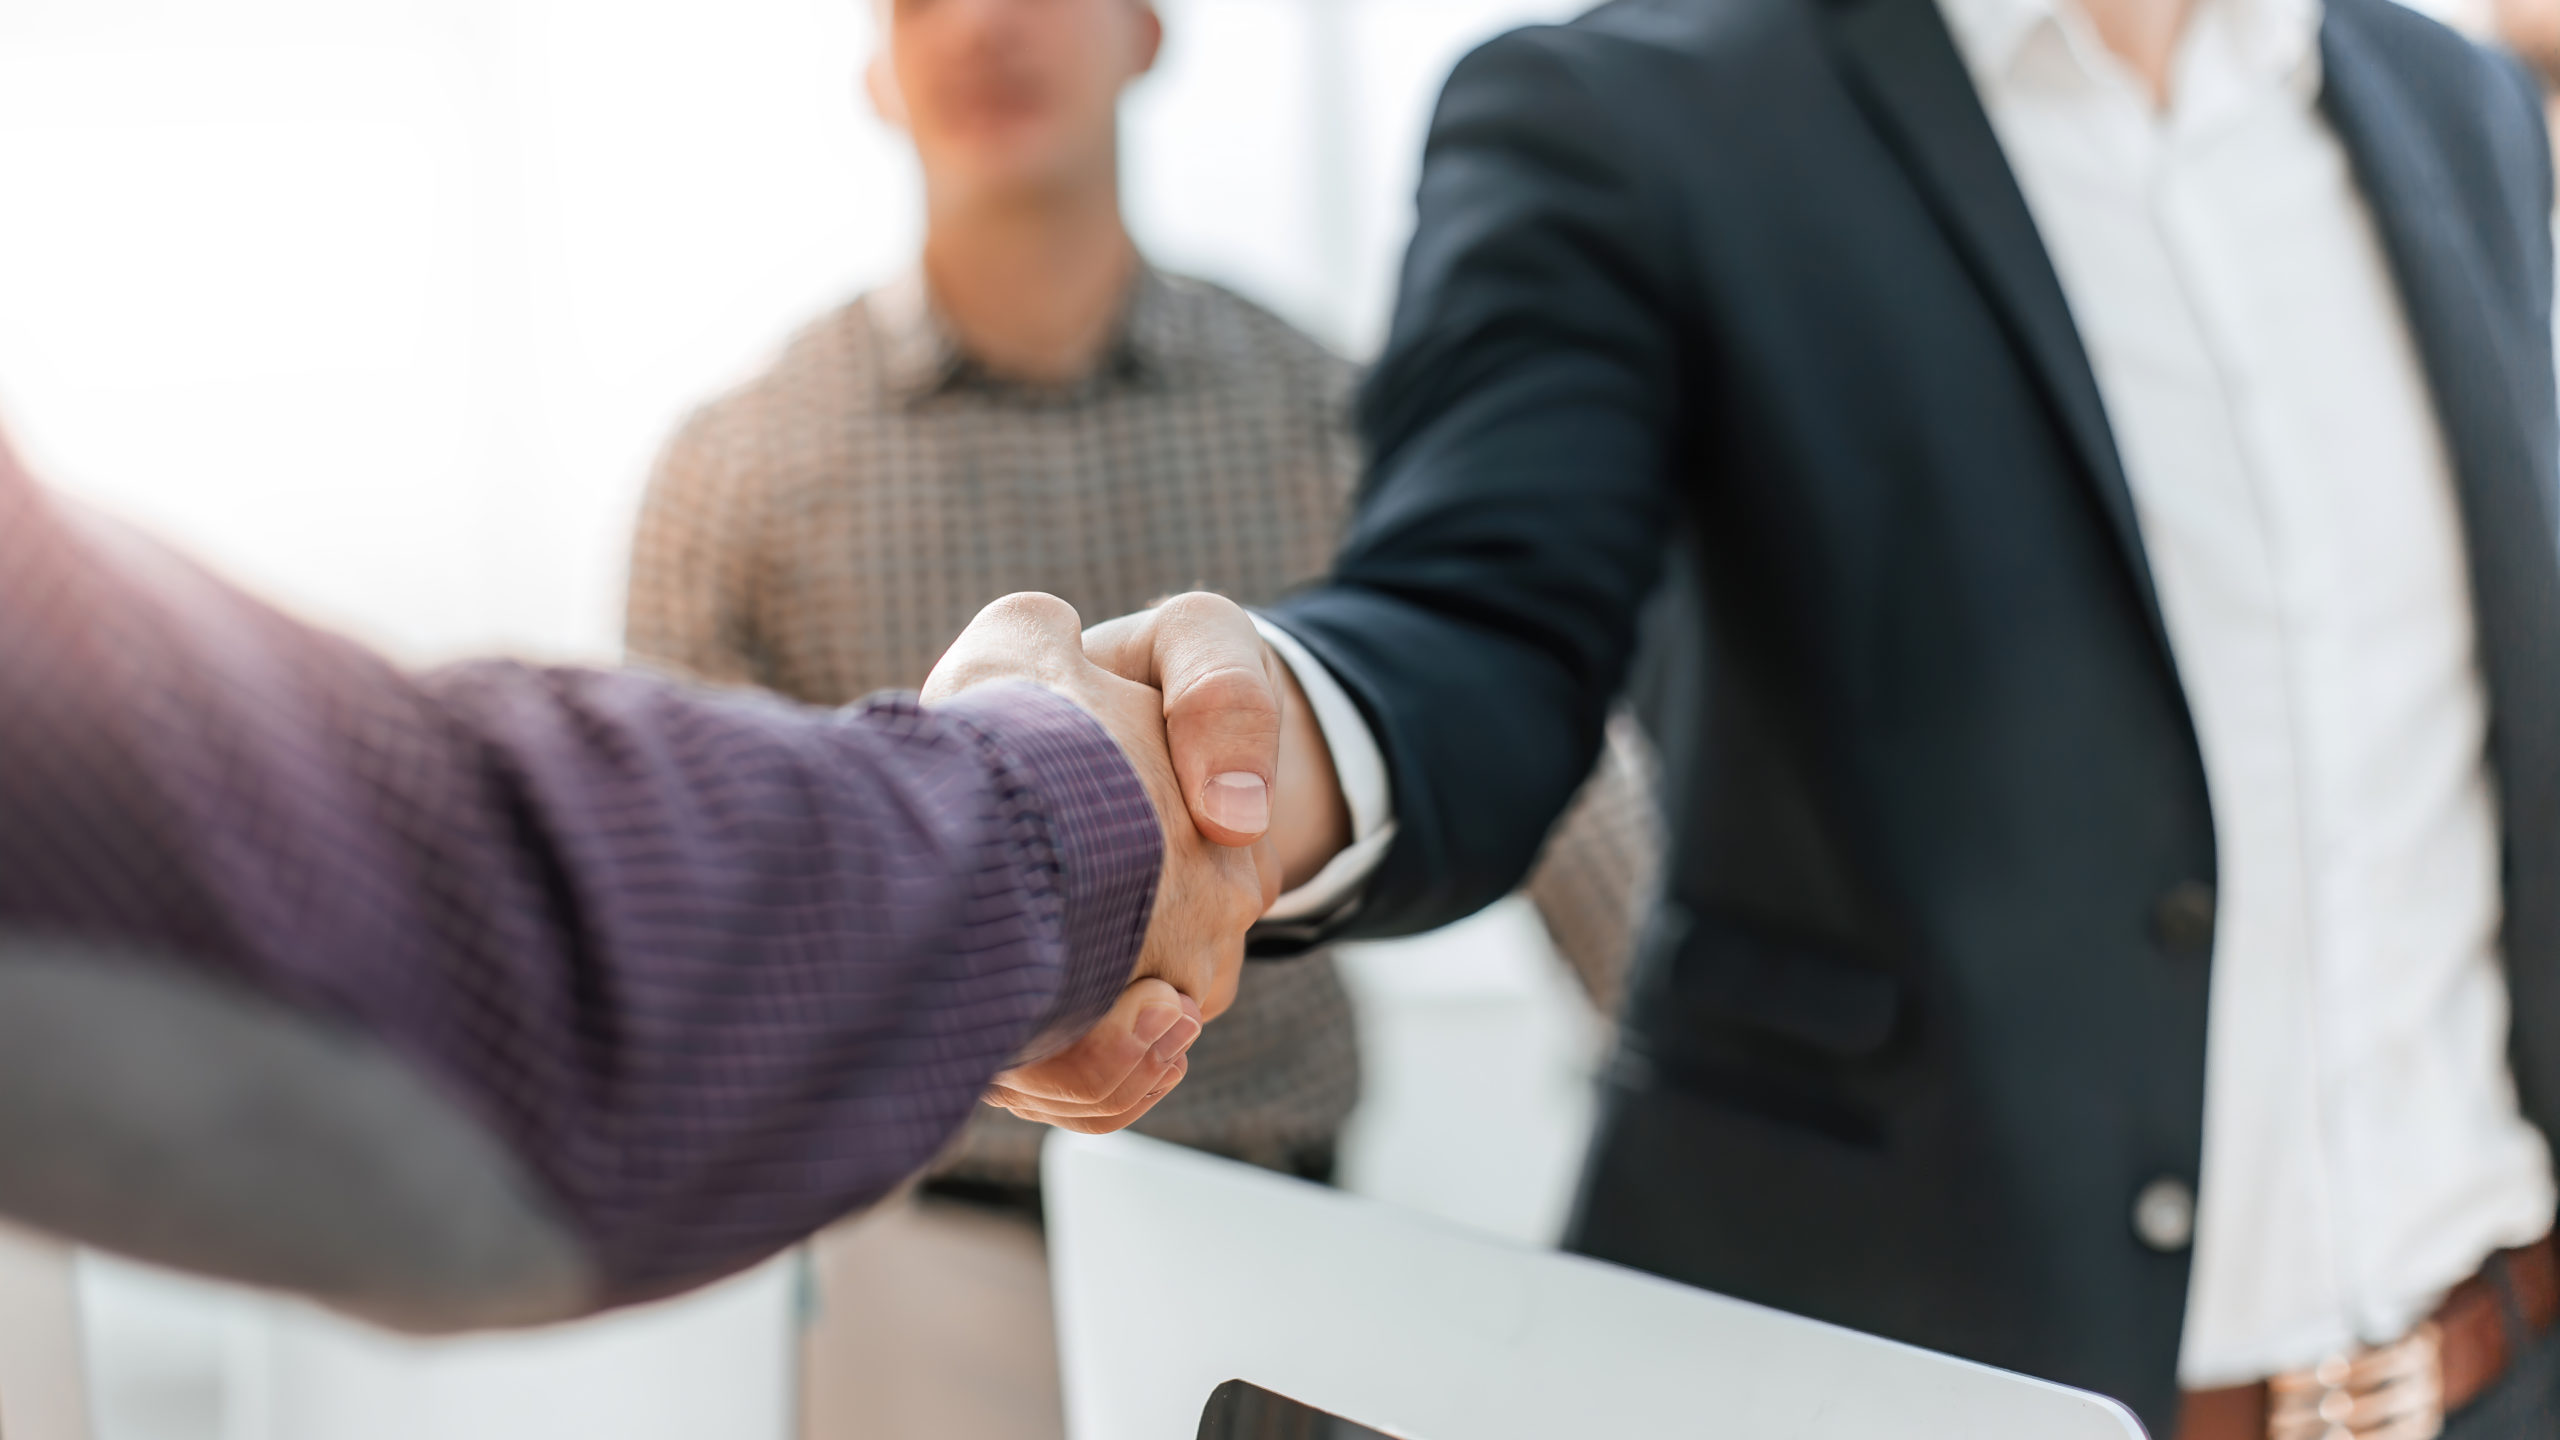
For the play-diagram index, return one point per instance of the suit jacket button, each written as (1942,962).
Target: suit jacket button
(2164,1214)
(2184,918)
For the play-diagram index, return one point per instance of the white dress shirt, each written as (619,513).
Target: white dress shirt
(2363,1150)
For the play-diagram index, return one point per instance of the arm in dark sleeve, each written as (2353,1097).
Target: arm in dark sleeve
(1483,609)
(716,970)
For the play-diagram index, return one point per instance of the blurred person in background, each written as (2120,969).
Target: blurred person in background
(1034,406)
(2107,456)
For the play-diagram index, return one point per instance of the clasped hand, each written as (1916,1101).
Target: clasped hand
(1196,702)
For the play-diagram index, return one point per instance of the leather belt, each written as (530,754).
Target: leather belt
(2399,1391)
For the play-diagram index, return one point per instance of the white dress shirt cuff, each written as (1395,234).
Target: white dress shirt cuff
(1359,767)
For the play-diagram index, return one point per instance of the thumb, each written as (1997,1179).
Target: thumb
(1221,714)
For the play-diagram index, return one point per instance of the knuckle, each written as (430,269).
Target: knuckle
(1233,696)
(1035,609)
(1063,1080)
(1202,609)
(1083,1090)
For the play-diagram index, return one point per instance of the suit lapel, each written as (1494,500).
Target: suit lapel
(2482,388)
(1903,66)
(2479,384)
(2443,278)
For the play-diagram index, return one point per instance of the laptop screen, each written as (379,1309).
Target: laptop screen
(1241,1411)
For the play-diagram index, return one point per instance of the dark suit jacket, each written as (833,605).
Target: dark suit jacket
(1748,283)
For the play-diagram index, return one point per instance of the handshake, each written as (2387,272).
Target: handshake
(1223,740)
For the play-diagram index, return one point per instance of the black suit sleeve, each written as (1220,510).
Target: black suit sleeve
(1520,427)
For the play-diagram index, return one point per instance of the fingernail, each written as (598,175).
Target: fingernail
(1154,1020)
(1239,801)
(1175,1041)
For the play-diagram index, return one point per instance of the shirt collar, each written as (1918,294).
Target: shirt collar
(920,354)
(2274,39)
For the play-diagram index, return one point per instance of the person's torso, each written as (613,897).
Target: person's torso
(1223,465)
(908,490)
(1923,1034)
(2363,1149)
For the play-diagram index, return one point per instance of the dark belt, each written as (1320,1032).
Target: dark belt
(2403,1390)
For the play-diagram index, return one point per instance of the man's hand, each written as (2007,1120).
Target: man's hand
(1233,713)
(1208,897)
(1129,1060)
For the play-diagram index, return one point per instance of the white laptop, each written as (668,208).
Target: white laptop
(1203,1300)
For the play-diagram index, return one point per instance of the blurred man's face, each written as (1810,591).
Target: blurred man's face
(1010,97)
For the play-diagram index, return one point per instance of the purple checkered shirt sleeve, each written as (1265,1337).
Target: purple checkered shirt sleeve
(719,969)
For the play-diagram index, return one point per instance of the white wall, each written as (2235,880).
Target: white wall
(384,306)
